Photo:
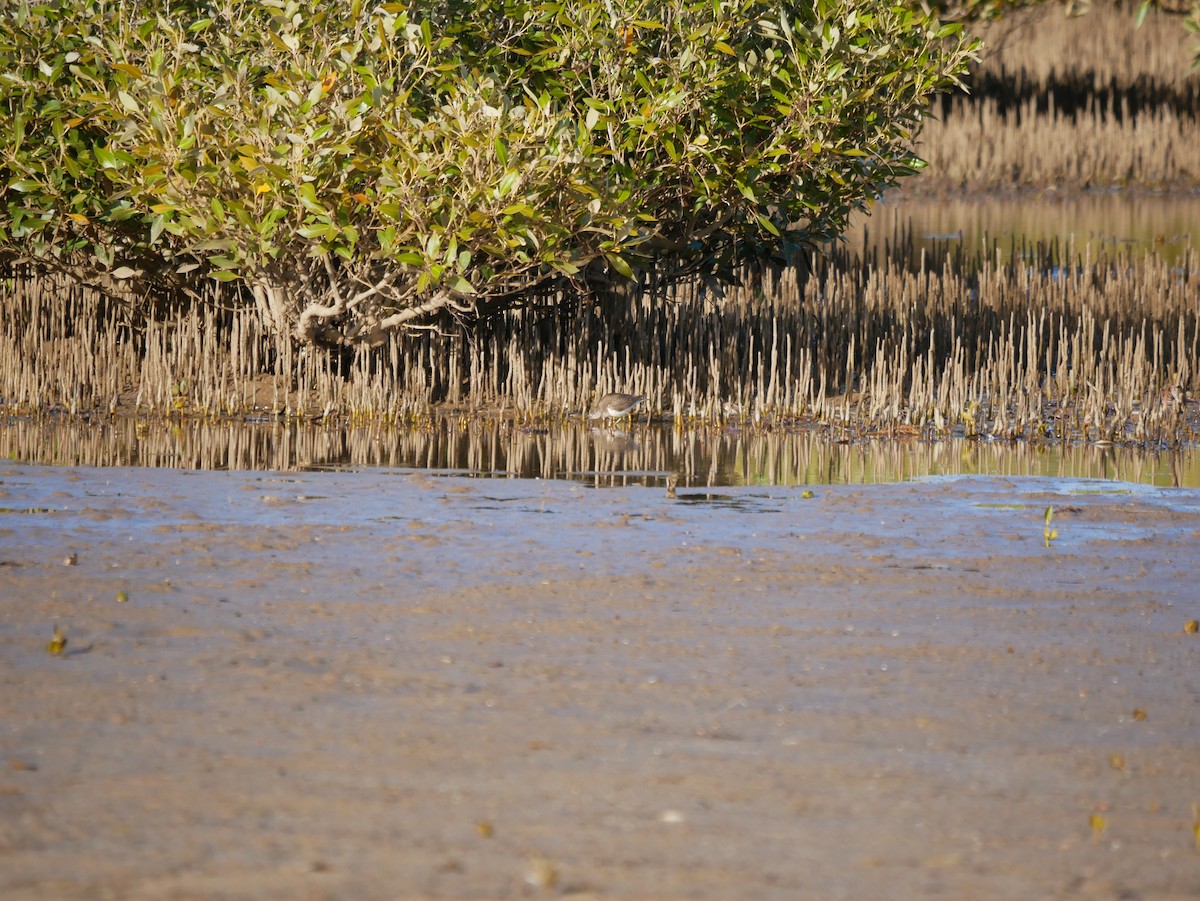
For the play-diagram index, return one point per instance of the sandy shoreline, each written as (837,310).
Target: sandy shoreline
(396,685)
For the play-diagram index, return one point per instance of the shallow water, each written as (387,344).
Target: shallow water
(536,528)
(1003,226)
(641,454)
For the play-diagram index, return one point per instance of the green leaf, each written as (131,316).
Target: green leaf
(462,286)
(508,183)
(768,225)
(619,263)
(308,198)
(321,231)
(105,157)
(1141,12)
(520,209)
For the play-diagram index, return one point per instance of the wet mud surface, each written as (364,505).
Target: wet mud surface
(404,685)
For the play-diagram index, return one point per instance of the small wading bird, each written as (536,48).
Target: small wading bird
(615,406)
(1175,394)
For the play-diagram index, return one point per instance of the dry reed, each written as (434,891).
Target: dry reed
(1047,46)
(1072,103)
(1055,343)
(976,146)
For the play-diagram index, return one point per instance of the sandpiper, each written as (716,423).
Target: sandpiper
(615,406)
(1175,394)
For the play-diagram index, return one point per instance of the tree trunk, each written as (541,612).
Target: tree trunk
(271,300)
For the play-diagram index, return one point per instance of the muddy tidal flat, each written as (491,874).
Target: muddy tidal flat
(388,684)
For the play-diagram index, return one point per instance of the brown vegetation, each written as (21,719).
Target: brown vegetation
(1056,343)
(1074,103)
(1044,45)
(979,147)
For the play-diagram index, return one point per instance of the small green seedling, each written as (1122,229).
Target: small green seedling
(970,426)
(56,645)
(1048,531)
